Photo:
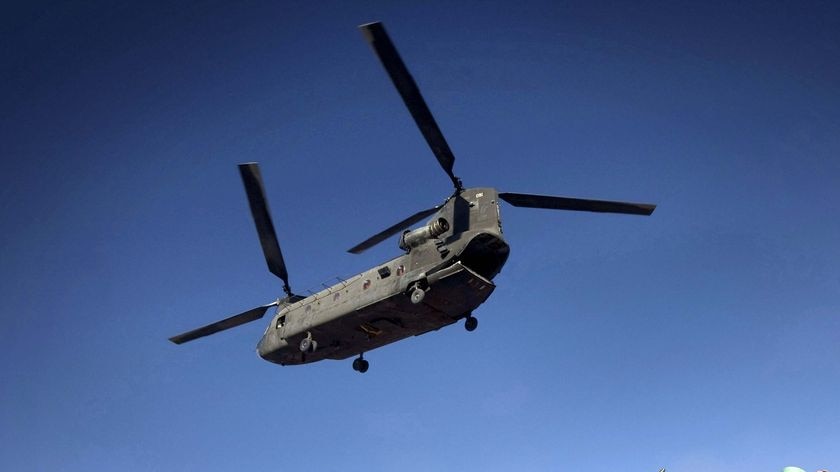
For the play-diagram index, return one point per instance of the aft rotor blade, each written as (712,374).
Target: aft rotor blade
(252,180)
(576,204)
(232,322)
(375,34)
(390,231)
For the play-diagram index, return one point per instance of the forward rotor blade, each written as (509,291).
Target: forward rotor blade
(232,322)
(576,204)
(390,231)
(252,180)
(375,34)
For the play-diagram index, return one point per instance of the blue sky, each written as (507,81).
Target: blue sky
(704,337)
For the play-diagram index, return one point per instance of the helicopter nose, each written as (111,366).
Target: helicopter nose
(262,347)
(270,348)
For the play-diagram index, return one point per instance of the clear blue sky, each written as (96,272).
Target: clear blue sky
(704,337)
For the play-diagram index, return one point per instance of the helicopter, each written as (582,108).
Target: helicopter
(445,272)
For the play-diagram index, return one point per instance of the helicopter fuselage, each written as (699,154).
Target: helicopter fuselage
(445,273)
(453,269)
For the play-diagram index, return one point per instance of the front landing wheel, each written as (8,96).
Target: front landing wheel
(308,344)
(360,365)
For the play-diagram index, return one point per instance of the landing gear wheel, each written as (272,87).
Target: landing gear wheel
(471,323)
(308,344)
(360,365)
(417,295)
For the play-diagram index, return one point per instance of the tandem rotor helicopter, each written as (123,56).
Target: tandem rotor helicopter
(445,272)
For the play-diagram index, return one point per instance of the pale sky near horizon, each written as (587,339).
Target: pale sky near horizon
(705,337)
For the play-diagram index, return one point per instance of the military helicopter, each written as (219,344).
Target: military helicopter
(444,274)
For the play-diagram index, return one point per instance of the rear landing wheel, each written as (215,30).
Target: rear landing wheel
(417,295)
(471,323)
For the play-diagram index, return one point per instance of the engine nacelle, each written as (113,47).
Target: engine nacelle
(418,236)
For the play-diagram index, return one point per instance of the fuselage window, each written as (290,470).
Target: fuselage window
(280,322)
(366,284)
(400,269)
(335,297)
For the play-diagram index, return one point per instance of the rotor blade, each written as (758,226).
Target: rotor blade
(375,34)
(390,231)
(576,204)
(252,180)
(232,322)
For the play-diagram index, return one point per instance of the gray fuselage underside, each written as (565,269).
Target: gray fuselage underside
(373,308)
